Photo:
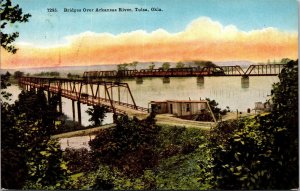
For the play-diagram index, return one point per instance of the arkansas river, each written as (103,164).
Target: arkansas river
(227,91)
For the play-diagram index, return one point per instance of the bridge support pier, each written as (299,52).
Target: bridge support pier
(60,104)
(139,80)
(200,81)
(73,109)
(49,96)
(166,80)
(79,112)
(245,82)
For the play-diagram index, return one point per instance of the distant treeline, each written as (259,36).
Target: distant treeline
(48,74)
(167,65)
(70,75)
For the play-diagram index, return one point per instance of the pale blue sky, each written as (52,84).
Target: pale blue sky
(48,28)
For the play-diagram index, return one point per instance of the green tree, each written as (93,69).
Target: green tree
(13,159)
(25,137)
(97,113)
(260,152)
(180,65)
(214,107)
(4,80)
(152,66)
(285,60)
(18,74)
(79,160)
(285,115)
(10,15)
(134,65)
(54,74)
(166,65)
(4,84)
(122,66)
(128,146)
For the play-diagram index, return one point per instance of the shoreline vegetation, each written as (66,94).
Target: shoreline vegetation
(94,130)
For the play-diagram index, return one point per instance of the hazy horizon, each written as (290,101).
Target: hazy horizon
(251,30)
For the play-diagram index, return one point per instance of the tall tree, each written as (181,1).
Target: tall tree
(166,65)
(122,66)
(128,146)
(4,84)
(134,65)
(97,113)
(9,15)
(261,152)
(285,114)
(180,65)
(152,66)
(29,156)
(18,74)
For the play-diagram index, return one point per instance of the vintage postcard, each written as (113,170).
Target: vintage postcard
(149,94)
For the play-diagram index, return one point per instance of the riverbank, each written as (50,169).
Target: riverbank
(80,138)
(84,132)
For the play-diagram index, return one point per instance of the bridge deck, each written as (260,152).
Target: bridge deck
(58,86)
(252,70)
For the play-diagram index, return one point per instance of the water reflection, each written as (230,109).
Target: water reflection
(200,82)
(245,82)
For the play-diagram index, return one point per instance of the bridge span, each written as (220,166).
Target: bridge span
(252,70)
(116,96)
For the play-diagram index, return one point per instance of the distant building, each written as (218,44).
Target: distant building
(259,106)
(181,108)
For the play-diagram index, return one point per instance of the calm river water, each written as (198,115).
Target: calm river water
(227,91)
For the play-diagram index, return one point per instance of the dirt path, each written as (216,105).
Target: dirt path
(80,138)
(163,119)
(234,115)
(85,132)
(76,142)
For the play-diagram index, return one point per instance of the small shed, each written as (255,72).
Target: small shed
(259,106)
(180,107)
(160,106)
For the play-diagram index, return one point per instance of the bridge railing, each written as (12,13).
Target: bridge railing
(74,95)
(255,70)
(268,69)
(233,70)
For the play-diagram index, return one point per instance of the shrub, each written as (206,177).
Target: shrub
(129,145)
(260,152)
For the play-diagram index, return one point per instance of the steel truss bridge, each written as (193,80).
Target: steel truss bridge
(115,95)
(252,70)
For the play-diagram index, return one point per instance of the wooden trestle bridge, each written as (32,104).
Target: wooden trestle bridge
(115,95)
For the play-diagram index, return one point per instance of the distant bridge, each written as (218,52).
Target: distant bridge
(252,70)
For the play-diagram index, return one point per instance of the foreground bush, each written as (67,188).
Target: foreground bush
(128,146)
(260,152)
